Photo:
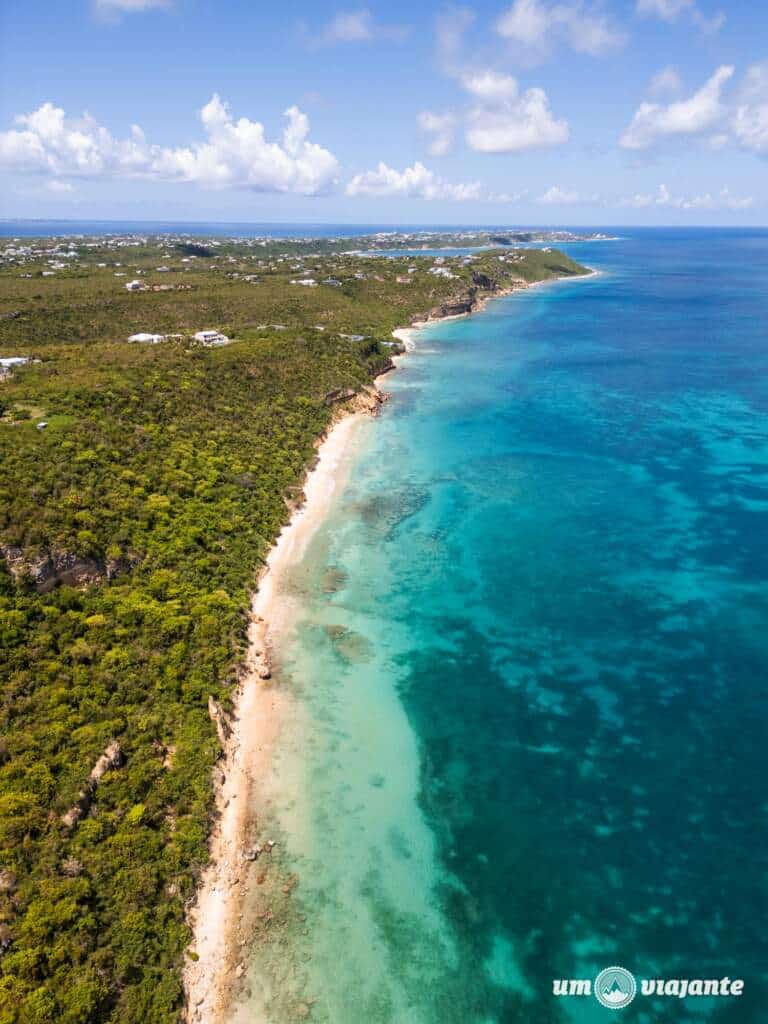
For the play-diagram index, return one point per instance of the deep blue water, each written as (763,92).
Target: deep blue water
(534,694)
(598,765)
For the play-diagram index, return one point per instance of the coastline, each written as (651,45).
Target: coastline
(223,919)
(248,739)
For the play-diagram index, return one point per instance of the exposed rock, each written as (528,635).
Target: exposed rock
(484,282)
(48,569)
(71,867)
(113,757)
(7,881)
(260,660)
(458,307)
(221,719)
(339,395)
(369,399)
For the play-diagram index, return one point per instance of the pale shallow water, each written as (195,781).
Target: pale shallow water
(529,669)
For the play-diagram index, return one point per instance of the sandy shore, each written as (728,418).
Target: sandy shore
(217,919)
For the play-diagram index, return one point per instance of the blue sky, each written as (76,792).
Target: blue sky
(517,112)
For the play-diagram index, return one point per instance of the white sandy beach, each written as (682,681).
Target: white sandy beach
(219,928)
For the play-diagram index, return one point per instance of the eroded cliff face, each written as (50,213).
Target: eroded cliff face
(483,288)
(47,569)
(456,308)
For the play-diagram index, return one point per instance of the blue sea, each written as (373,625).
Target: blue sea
(530,660)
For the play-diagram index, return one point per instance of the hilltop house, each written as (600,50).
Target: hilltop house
(211,338)
(148,339)
(7,363)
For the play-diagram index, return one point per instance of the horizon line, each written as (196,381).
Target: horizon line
(383,224)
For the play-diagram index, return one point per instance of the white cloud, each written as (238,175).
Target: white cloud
(667,10)
(117,7)
(440,128)
(507,197)
(451,26)
(507,121)
(666,82)
(722,200)
(662,198)
(556,196)
(536,27)
(356,26)
(490,86)
(526,21)
(235,154)
(350,27)
(694,116)
(416,182)
(60,187)
(670,10)
(742,120)
(750,117)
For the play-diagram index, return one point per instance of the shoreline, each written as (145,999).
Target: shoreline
(220,932)
(248,738)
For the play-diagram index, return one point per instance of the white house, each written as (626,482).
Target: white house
(134,286)
(7,362)
(211,338)
(148,339)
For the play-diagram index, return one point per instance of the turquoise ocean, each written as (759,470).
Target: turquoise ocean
(530,663)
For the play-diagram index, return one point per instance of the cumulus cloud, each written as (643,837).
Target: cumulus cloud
(490,86)
(700,113)
(355,26)
(439,128)
(504,120)
(416,182)
(671,10)
(663,197)
(535,28)
(750,118)
(556,196)
(235,153)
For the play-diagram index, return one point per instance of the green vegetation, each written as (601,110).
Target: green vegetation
(132,529)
